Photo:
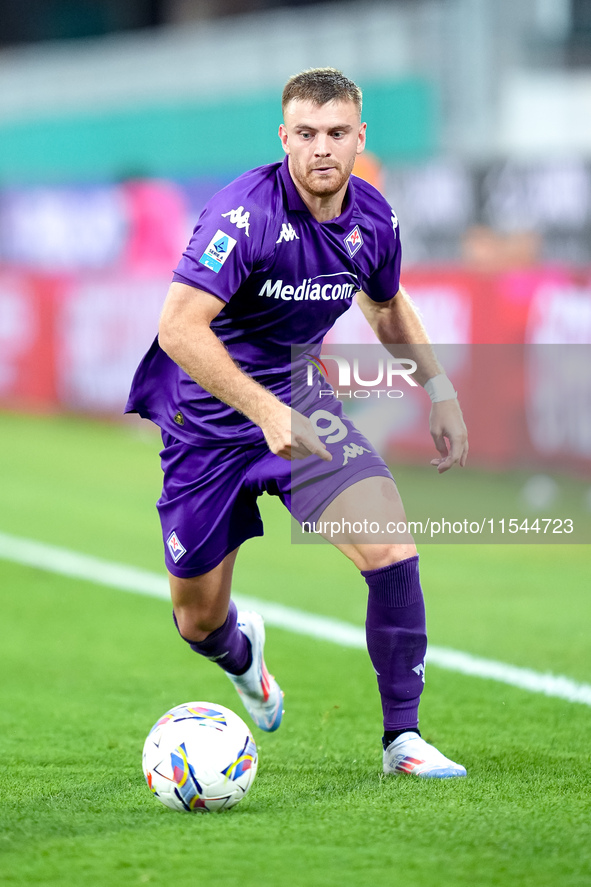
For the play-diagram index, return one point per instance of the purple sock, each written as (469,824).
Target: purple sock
(227,645)
(397,639)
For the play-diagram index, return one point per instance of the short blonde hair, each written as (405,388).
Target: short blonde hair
(321,85)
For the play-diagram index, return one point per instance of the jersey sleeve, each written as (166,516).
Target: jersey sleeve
(384,283)
(225,246)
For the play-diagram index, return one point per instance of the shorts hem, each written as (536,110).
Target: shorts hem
(349,481)
(191,572)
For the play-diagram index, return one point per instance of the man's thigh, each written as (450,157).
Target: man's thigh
(206,508)
(309,486)
(367,522)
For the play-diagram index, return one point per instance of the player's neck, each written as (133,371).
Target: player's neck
(323,208)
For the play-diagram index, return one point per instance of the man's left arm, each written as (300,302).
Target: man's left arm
(397,322)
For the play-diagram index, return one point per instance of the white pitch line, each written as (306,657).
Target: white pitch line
(125,578)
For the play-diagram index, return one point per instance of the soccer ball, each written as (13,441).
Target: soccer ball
(199,757)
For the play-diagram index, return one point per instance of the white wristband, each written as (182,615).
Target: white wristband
(440,388)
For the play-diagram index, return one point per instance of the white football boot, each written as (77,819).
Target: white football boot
(259,691)
(410,754)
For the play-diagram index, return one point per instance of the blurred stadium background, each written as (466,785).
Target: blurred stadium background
(118,121)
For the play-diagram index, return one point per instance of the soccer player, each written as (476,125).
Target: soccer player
(276,257)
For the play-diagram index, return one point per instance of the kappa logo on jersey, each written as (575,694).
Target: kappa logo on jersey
(352,450)
(354,241)
(394,220)
(287,233)
(175,546)
(217,251)
(239,218)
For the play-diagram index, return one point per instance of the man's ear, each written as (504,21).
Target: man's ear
(361,138)
(283,136)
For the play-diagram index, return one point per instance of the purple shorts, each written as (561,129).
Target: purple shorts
(208,505)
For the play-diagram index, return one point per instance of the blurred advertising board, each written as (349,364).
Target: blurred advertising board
(28,309)
(103,326)
(72,342)
(528,411)
(540,304)
(69,343)
(528,406)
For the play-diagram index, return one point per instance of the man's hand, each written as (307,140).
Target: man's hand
(290,434)
(446,424)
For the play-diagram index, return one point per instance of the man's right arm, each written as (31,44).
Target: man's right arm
(186,336)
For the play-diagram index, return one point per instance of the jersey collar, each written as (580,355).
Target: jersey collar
(296,204)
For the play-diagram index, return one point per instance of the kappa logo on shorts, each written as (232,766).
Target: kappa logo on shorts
(217,251)
(352,450)
(175,546)
(354,241)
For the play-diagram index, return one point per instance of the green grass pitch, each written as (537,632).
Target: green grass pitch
(85,671)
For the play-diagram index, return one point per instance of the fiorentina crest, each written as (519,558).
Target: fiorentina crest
(354,241)
(175,546)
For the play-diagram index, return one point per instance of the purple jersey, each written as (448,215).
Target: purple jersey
(285,278)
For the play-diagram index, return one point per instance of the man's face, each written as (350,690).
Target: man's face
(322,142)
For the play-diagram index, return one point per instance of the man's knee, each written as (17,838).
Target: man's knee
(200,603)
(373,557)
(196,622)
